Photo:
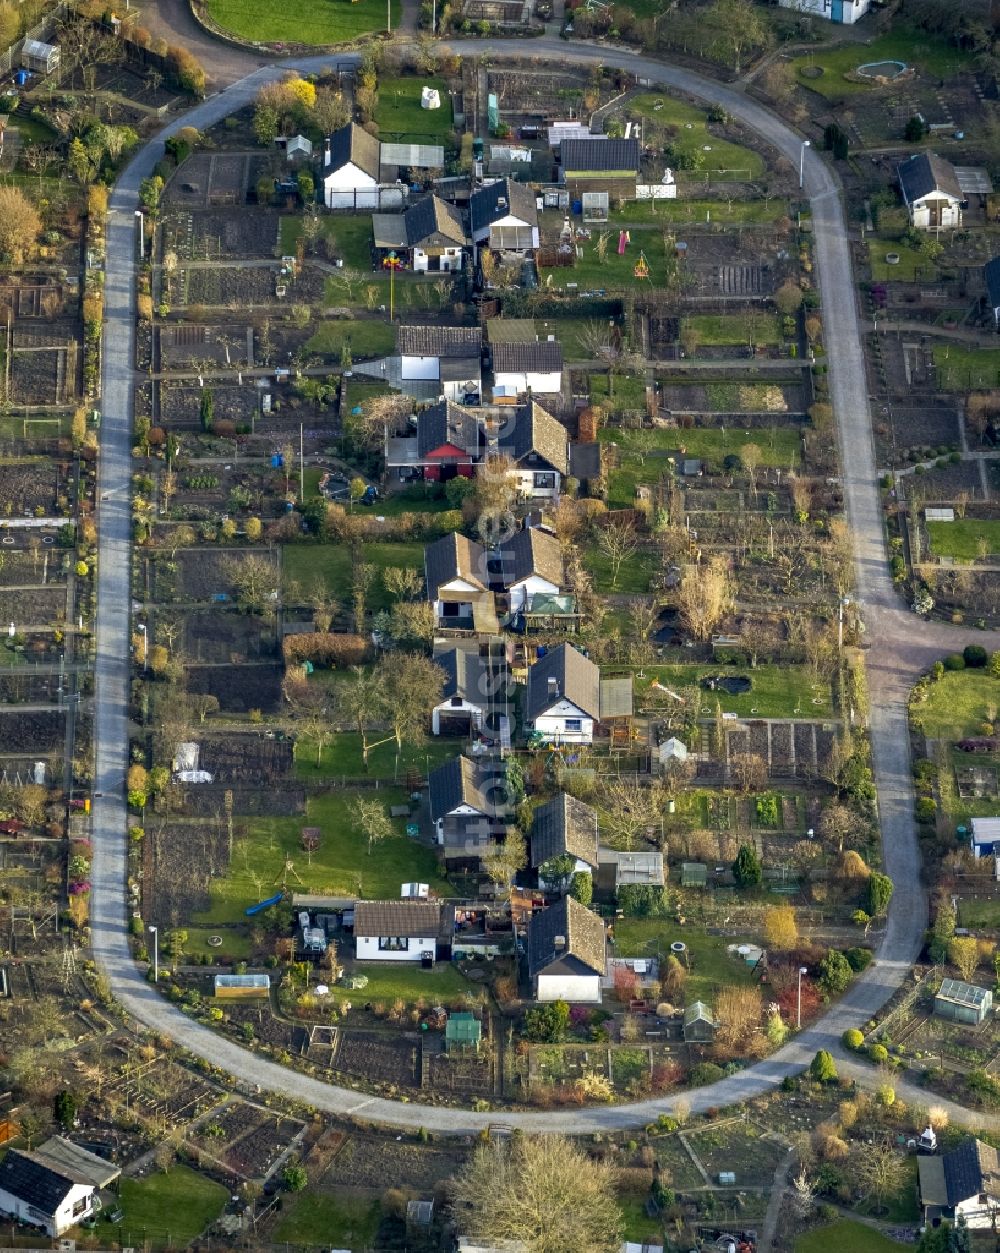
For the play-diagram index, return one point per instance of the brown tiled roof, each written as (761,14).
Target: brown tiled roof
(583,932)
(410,918)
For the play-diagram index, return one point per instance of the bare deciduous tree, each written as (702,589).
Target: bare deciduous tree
(704,597)
(618,541)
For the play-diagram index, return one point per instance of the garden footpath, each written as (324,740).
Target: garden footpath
(902,647)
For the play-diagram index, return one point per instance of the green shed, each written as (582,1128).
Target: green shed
(462,1033)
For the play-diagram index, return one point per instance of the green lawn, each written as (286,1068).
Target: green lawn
(693,137)
(983,915)
(959,369)
(957,703)
(303,20)
(422,293)
(615,272)
(637,1224)
(341,866)
(342,756)
(710,966)
(936,57)
(406,981)
(235,943)
(643,454)
(913,264)
(353,238)
(722,329)
(633,577)
(399,113)
(960,539)
(846,1236)
(315,1218)
(172,1208)
(366,337)
(621,391)
(701,210)
(332,565)
(570,332)
(777,691)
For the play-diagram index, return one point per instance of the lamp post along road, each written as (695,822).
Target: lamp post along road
(156,953)
(806,143)
(798,1014)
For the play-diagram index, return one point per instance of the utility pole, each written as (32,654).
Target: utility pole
(302,468)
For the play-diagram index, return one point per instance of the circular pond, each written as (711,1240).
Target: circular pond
(734,684)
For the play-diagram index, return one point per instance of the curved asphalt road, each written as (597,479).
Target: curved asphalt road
(902,645)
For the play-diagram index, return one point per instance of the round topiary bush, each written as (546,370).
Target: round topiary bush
(954,661)
(879,1054)
(852,1039)
(975,656)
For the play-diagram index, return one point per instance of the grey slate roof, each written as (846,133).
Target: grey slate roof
(405,917)
(530,429)
(532,551)
(485,207)
(466,675)
(921,175)
(352,145)
(576,677)
(439,341)
(991,273)
(970,1169)
(433,222)
(538,357)
(33,1183)
(456,782)
(585,950)
(454,556)
(564,825)
(448,423)
(599,155)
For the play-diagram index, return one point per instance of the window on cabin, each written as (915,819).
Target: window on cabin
(545,480)
(393,943)
(574,724)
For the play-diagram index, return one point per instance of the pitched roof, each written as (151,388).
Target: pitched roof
(530,429)
(698,1011)
(960,993)
(454,556)
(599,155)
(448,423)
(564,825)
(76,1163)
(431,220)
(403,917)
(352,145)
(991,272)
(456,782)
(439,341)
(504,198)
(531,552)
(575,678)
(927,173)
(541,356)
(582,932)
(466,676)
(970,1169)
(24,1176)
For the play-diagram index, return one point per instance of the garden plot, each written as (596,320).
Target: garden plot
(188,188)
(43,373)
(17,688)
(790,749)
(927,430)
(180,403)
(162,1087)
(734,398)
(267,1029)
(380,1058)
(368,1160)
(34,607)
(739,1147)
(182,344)
(207,800)
(239,688)
(464,1077)
(204,574)
(247,1139)
(20,568)
(219,638)
(944,482)
(239,287)
(181,859)
(27,486)
(201,236)
(32,297)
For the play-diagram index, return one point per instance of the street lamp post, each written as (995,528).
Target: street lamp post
(142,232)
(798,1016)
(806,143)
(156,954)
(145,647)
(844,602)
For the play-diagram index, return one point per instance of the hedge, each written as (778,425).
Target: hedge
(325,649)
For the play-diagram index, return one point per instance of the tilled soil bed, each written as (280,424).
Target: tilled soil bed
(32,732)
(239,688)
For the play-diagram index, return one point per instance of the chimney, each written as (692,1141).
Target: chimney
(553,686)
(559,943)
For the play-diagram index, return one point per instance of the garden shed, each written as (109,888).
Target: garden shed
(699,1024)
(242,987)
(963,1002)
(39,57)
(463,1032)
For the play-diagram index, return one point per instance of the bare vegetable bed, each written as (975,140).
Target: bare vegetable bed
(19,567)
(41,378)
(206,800)
(246,758)
(28,485)
(181,859)
(180,403)
(249,233)
(379,1058)
(24,688)
(369,1160)
(225,637)
(36,606)
(239,688)
(204,573)
(182,344)
(255,1154)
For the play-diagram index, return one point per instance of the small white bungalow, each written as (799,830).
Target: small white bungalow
(567,953)
(931,192)
(397,931)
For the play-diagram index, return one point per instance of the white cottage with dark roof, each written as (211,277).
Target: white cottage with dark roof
(56,1186)
(931,192)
